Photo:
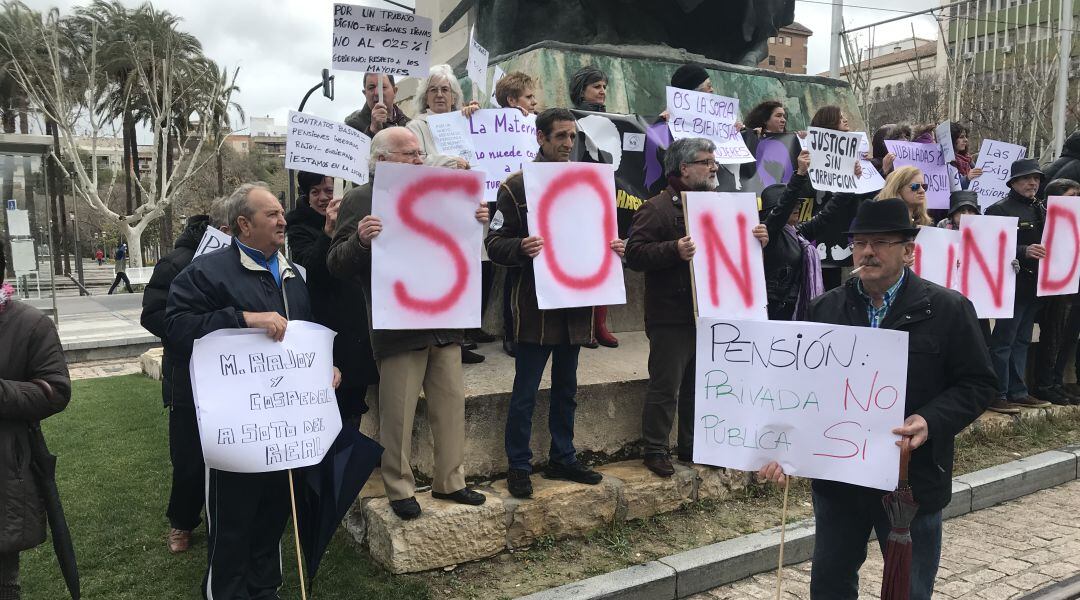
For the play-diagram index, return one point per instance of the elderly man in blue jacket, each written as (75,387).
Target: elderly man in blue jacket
(247,284)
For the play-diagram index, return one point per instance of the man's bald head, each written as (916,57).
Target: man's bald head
(395,144)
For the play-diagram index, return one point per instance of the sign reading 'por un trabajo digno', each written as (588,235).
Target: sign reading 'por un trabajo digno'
(373,40)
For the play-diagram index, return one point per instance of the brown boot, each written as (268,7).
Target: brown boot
(1001,406)
(1029,402)
(659,464)
(179,540)
(603,336)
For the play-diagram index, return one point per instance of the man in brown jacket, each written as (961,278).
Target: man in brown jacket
(34,384)
(659,246)
(540,334)
(407,359)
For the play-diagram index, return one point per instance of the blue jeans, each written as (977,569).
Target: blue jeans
(1009,343)
(530,361)
(842,526)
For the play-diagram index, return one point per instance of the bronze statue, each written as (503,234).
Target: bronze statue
(734,31)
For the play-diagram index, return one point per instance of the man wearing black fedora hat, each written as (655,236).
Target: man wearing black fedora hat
(949,384)
(1010,338)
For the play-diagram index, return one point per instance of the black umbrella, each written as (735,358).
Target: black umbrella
(44,466)
(328,489)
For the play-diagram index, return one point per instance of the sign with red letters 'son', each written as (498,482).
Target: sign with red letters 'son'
(986,277)
(572,207)
(937,256)
(1059,272)
(729,272)
(425,264)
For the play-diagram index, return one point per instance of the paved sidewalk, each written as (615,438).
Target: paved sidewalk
(995,553)
(104,368)
(96,321)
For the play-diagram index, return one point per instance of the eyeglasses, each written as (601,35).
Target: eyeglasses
(917,186)
(705,162)
(414,154)
(875,245)
(439,90)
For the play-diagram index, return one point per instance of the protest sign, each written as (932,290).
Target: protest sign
(776,156)
(497,141)
(987,248)
(937,254)
(327,147)
(572,207)
(729,275)
(478,62)
(373,40)
(1061,236)
(819,399)
(995,159)
(927,157)
(425,264)
(870,180)
(943,135)
(499,74)
(265,405)
(709,116)
(833,155)
(211,240)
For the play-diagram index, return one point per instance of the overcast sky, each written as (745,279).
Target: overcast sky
(282,45)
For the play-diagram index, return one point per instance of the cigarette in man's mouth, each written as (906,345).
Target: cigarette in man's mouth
(857,269)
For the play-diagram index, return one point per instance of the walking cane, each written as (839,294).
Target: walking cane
(296,538)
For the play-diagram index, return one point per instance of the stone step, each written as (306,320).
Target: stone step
(447,533)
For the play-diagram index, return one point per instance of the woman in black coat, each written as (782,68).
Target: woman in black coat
(34,385)
(308,230)
(792,265)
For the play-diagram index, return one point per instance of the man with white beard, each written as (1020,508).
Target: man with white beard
(659,246)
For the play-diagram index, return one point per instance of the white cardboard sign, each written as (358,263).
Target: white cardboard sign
(1058,272)
(821,400)
(943,135)
(927,157)
(496,76)
(478,62)
(327,147)
(937,255)
(425,264)
(987,249)
(833,155)
(212,239)
(709,116)
(265,405)
(374,40)
(496,141)
(995,159)
(729,272)
(871,180)
(572,207)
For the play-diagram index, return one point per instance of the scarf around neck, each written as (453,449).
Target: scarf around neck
(812,283)
(7,294)
(962,163)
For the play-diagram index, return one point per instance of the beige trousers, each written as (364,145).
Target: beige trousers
(401,376)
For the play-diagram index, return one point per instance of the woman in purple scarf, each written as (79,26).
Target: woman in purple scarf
(792,263)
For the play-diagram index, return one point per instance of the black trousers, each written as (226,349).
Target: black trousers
(246,514)
(188,471)
(670,389)
(116,282)
(9,576)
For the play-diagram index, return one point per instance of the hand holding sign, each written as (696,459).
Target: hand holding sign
(272,322)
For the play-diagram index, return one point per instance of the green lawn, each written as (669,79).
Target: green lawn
(113,474)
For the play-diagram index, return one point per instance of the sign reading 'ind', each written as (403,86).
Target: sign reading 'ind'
(821,400)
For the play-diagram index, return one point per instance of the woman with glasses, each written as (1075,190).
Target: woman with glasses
(439,93)
(908,184)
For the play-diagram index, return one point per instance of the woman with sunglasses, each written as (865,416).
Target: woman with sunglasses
(908,184)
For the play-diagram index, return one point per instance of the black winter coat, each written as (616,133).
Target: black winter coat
(34,384)
(1067,166)
(332,300)
(174,392)
(216,288)
(783,255)
(1032,217)
(950,381)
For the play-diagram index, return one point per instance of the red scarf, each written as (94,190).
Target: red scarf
(962,163)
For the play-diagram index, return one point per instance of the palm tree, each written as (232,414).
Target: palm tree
(223,105)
